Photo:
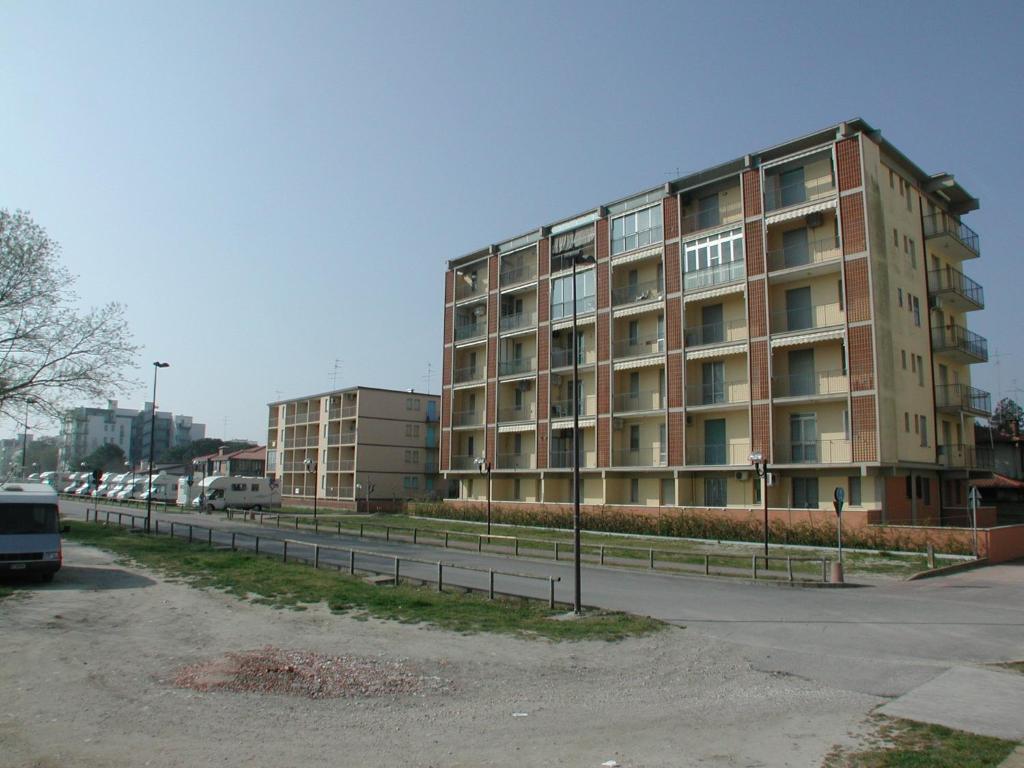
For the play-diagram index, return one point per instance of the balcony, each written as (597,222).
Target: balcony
(343,492)
(797,193)
(716,333)
(346,412)
(648,290)
(469,289)
(468,331)
(816,252)
(652,456)
(520,366)
(463,462)
(956,290)
(341,465)
(960,344)
(710,219)
(722,274)
(720,393)
(302,418)
(562,358)
(736,453)
(807,318)
(468,374)
(954,398)
(563,460)
(302,442)
(644,400)
(638,347)
(562,409)
(958,240)
(467,419)
(815,384)
(517,321)
(513,275)
(813,452)
(524,412)
(516,461)
(342,438)
(964,457)
(562,310)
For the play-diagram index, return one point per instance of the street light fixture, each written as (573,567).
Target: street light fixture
(484,466)
(761,470)
(311,467)
(152,444)
(24,437)
(577,603)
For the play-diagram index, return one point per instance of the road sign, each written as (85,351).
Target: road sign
(837,500)
(838,496)
(974,496)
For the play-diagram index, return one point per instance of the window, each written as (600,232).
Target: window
(412,404)
(634,438)
(715,491)
(917,425)
(913,363)
(792,189)
(846,424)
(906,248)
(855,491)
(910,200)
(634,490)
(803,432)
(637,229)
(892,179)
(517,443)
(757,490)
(517,489)
(413,482)
(920,371)
(561,294)
(805,492)
(910,487)
(899,295)
(924,431)
(707,212)
(903,354)
(913,254)
(895,237)
(713,260)
(926,487)
(917,312)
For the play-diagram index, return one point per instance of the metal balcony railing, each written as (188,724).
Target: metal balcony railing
(517,366)
(465,289)
(808,384)
(964,457)
(562,409)
(341,465)
(470,330)
(718,393)
(733,453)
(563,459)
(716,333)
(957,339)
(518,320)
(954,281)
(942,224)
(721,274)
(302,442)
(519,273)
(644,400)
(653,455)
(524,412)
(807,318)
(638,346)
(962,397)
(463,462)
(341,438)
(796,193)
(562,358)
(816,252)
(468,374)
(719,217)
(648,290)
(813,452)
(467,419)
(344,492)
(516,461)
(563,309)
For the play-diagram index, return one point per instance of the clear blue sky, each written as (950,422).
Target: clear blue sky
(271,186)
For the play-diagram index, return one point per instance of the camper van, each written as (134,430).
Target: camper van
(165,488)
(220,492)
(30,530)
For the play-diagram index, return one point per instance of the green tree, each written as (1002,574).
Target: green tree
(185,453)
(108,457)
(1007,415)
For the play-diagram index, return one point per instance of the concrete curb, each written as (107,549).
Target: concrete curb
(948,569)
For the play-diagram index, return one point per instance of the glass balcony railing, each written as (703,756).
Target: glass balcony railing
(561,310)
(961,397)
(815,252)
(953,282)
(517,321)
(515,274)
(810,317)
(516,461)
(796,193)
(638,346)
(958,341)
(524,412)
(944,225)
(468,374)
(463,462)
(468,289)
(814,452)
(648,290)
(470,330)
(563,460)
(561,409)
(562,358)
(653,455)
(467,419)
(720,274)
(341,465)
(644,400)
(517,366)
(834,382)
(716,333)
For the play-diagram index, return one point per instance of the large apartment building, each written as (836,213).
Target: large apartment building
(355,439)
(807,301)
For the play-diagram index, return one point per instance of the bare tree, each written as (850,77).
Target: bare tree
(51,352)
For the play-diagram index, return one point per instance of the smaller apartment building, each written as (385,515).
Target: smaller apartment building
(354,439)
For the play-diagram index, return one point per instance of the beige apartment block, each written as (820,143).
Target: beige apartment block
(338,444)
(807,301)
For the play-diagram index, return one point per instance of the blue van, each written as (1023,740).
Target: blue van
(29,530)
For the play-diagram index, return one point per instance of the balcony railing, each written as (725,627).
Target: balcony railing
(648,290)
(796,193)
(517,366)
(644,400)
(834,382)
(562,409)
(719,217)
(816,252)
(958,340)
(807,318)
(465,289)
(341,465)
(302,442)
(302,418)
(718,393)
(518,320)
(468,374)
(294,466)
(962,397)
(524,412)
(941,224)
(563,459)
(561,310)
(342,492)
(813,452)
(964,457)
(520,273)
(716,333)
(561,358)
(470,330)
(638,346)
(721,274)
(954,281)
(734,453)
(516,461)
(651,456)
(467,419)
(463,462)
(341,438)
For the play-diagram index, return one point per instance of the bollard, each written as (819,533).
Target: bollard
(789,567)
(931,555)
(516,542)
(556,550)
(316,525)
(257,545)
(397,561)
(316,556)
(284,551)
(296,522)
(232,541)
(157,529)
(837,573)
(107,517)
(440,576)
(414,530)
(172,529)
(352,562)
(707,565)
(339,527)
(446,539)
(279,521)
(490,583)
(753,565)
(479,543)
(387,533)
(602,554)
(190,534)
(209,537)
(652,558)
(551,593)
(360,530)
(824,569)
(261,518)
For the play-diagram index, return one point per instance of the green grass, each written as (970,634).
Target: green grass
(1015,666)
(296,586)
(5,592)
(908,744)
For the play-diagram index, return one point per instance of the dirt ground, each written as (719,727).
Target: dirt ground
(88,666)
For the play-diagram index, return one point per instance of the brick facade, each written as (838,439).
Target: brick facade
(858,292)
(760,430)
(676,439)
(751,193)
(674,375)
(673,324)
(848,162)
(757,309)
(851,210)
(670,216)
(604,440)
(861,350)
(759,389)
(672,272)
(865,428)
(753,239)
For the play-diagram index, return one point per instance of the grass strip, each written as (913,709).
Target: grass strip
(292,585)
(909,744)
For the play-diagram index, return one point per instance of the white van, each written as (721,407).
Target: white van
(165,487)
(30,530)
(221,492)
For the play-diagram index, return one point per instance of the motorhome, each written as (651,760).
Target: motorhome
(30,529)
(165,487)
(221,492)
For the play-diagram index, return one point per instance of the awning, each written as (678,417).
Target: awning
(574,240)
(581,320)
(711,293)
(998,481)
(586,422)
(640,362)
(646,253)
(802,210)
(808,338)
(701,354)
(639,309)
(526,426)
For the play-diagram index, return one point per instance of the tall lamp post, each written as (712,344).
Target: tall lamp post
(24,438)
(577,602)
(311,467)
(484,466)
(152,445)
(761,470)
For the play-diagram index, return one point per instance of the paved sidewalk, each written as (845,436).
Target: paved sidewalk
(1015,760)
(971,699)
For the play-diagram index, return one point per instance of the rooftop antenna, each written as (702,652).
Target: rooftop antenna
(676,175)
(225,433)
(996,357)
(429,376)
(334,373)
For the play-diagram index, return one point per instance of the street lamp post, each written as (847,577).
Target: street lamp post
(311,467)
(761,470)
(152,444)
(485,469)
(577,601)
(24,438)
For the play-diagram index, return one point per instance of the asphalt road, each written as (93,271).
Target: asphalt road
(883,639)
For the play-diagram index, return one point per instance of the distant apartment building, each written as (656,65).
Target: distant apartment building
(11,449)
(807,301)
(355,439)
(246,462)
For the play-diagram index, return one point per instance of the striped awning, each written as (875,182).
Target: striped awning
(808,338)
(640,362)
(639,309)
(803,210)
(526,426)
(561,325)
(711,293)
(701,354)
(586,422)
(640,255)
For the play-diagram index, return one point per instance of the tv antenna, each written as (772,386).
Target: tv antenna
(429,377)
(334,372)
